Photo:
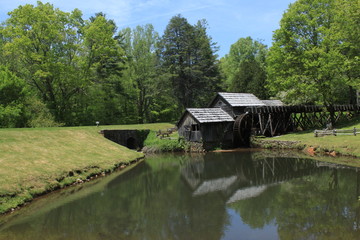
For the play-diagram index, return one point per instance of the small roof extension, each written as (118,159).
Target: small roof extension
(241,99)
(273,102)
(209,115)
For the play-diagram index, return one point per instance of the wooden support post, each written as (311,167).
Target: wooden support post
(354,131)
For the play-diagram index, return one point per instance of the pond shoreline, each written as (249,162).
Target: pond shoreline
(120,166)
(298,145)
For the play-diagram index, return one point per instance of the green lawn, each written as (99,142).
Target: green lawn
(37,160)
(343,144)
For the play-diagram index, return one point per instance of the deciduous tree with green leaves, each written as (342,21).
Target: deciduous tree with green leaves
(244,67)
(345,31)
(140,47)
(305,64)
(42,47)
(12,95)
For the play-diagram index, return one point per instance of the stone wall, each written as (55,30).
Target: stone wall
(133,139)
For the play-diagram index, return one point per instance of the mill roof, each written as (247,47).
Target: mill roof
(273,103)
(241,99)
(208,115)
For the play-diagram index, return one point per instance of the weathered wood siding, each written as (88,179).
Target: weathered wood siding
(238,110)
(184,129)
(211,134)
(217,134)
(220,103)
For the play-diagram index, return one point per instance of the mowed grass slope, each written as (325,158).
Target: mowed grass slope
(343,144)
(34,161)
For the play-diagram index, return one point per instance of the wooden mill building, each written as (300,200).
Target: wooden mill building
(211,126)
(214,126)
(231,118)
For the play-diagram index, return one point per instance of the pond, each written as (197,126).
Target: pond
(240,195)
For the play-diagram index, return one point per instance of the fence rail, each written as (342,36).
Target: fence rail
(335,132)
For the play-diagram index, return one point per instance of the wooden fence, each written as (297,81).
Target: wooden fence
(335,132)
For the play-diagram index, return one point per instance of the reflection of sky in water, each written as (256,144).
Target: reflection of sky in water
(211,197)
(237,230)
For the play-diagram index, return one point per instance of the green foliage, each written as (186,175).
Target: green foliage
(346,31)
(78,71)
(305,63)
(188,61)
(12,94)
(244,67)
(156,144)
(38,115)
(140,45)
(42,47)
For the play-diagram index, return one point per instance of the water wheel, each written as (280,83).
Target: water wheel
(242,130)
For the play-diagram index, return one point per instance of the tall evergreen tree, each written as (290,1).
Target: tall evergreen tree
(188,58)
(103,64)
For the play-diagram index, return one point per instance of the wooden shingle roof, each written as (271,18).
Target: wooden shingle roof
(273,102)
(208,115)
(241,99)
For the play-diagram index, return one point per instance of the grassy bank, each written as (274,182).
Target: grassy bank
(35,161)
(342,144)
(154,144)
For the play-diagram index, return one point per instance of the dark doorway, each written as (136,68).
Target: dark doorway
(131,143)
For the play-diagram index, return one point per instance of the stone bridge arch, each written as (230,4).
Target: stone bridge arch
(133,139)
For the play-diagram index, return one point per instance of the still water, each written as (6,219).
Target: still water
(240,195)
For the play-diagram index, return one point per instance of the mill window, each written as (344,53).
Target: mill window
(195,127)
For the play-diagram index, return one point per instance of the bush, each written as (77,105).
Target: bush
(172,144)
(39,115)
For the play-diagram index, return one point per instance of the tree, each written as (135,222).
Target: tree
(73,65)
(188,59)
(304,63)
(140,47)
(103,63)
(42,47)
(244,67)
(104,54)
(345,31)
(12,95)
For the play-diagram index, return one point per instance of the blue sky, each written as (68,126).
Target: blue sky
(228,20)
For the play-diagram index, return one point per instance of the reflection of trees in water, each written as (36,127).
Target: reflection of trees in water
(313,207)
(306,199)
(156,200)
(151,202)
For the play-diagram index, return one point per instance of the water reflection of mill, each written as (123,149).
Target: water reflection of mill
(250,175)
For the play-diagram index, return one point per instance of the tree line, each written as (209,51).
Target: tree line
(57,68)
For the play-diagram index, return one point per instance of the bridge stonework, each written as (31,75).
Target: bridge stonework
(133,139)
